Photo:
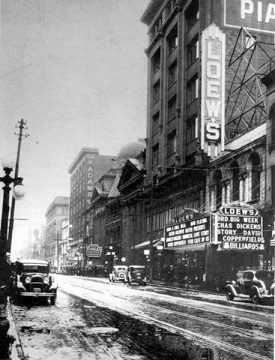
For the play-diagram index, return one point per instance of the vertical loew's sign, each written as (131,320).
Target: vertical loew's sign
(212,91)
(251,14)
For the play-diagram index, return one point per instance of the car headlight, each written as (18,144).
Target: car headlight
(27,280)
(46,281)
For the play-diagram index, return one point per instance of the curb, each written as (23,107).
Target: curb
(17,348)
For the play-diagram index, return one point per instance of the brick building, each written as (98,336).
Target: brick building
(84,171)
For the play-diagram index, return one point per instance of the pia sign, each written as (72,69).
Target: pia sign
(212,91)
(250,14)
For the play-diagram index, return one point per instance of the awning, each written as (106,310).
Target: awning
(145,244)
(194,247)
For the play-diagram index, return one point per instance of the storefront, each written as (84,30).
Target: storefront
(188,249)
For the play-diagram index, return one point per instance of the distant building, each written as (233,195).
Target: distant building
(84,171)
(57,212)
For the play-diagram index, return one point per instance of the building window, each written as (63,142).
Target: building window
(155,155)
(172,40)
(273,185)
(235,181)
(254,178)
(155,123)
(171,143)
(156,61)
(192,14)
(218,188)
(192,51)
(172,74)
(272,119)
(172,108)
(156,92)
(192,89)
(191,129)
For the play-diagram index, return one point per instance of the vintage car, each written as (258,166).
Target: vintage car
(119,273)
(258,285)
(32,279)
(137,274)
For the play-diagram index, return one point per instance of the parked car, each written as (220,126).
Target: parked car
(137,274)
(254,284)
(32,279)
(119,273)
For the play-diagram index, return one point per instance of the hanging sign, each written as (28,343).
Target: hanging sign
(212,91)
(94,250)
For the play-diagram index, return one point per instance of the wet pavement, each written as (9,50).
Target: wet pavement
(152,322)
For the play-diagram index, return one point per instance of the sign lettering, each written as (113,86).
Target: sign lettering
(251,14)
(196,231)
(213,96)
(240,229)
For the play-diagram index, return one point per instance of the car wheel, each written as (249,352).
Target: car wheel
(255,299)
(229,295)
(53,299)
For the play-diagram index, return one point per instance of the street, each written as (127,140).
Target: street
(116,321)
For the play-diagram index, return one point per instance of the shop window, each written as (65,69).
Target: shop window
(172,108)
(218,188)
(191,129)
(192,51)
(192,14)
(156,61)
(192,90)
(172,74)
(235,181)
(171,143)
(172,40)
(155,155)
(254,178)
(272,119)
(155,123)
(156,92)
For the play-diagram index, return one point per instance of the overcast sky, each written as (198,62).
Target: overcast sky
(76,71)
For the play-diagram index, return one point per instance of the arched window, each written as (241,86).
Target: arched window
(218,187)
(272,119)
(254,168)
(235,181)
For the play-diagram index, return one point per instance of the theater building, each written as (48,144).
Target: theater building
(206,134)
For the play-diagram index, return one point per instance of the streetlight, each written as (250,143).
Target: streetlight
(6,340)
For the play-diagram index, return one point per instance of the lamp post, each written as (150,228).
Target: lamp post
(5,339)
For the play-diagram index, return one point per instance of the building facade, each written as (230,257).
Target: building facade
(56,214)
(206,133)
(84,171)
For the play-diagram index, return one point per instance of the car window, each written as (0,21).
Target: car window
(34,268)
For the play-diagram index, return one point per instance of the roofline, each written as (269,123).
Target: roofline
(152,6)
(84,151)
(55,203)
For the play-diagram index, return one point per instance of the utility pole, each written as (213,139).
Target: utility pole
(20,136)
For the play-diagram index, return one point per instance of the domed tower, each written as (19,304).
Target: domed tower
(131,150)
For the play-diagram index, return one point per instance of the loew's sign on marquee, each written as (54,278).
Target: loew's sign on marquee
(212,91)
(251,14)
(239,228)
